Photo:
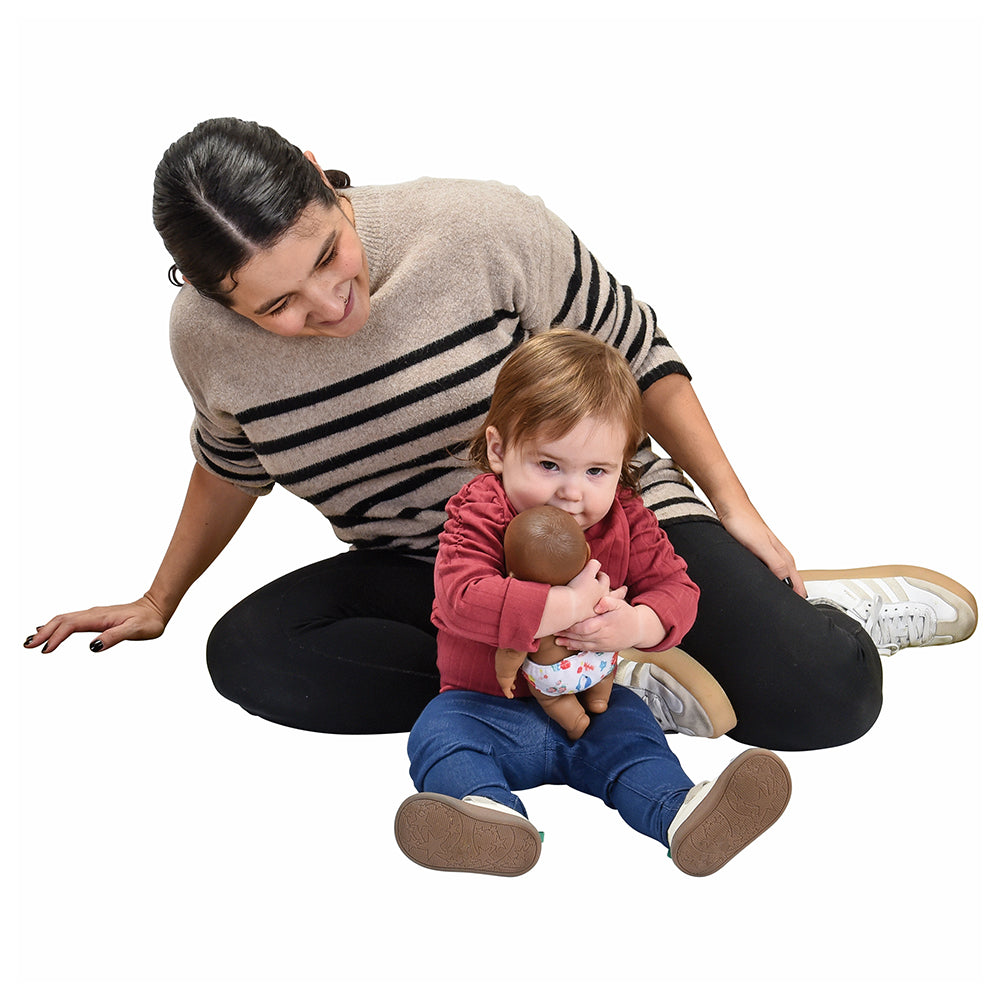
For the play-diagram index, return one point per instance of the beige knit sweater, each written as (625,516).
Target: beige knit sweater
(371,429)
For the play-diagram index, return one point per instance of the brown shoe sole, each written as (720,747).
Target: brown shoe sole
(747,798)
(447,834)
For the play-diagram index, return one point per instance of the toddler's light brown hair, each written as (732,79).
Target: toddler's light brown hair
(552,382)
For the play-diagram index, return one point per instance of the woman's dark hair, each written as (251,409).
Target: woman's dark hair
(227,190)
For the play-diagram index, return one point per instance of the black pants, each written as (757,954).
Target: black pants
(346,646)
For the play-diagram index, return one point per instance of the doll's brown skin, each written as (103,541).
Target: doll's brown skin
(545,545)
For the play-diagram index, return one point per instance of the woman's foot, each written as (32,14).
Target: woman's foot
(473,834)
(899,606)
(719,818)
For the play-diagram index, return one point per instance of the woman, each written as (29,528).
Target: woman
(343,343)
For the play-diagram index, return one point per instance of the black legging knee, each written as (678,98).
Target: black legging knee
(345,645)
(799,676)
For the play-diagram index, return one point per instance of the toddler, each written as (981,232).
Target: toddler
(564,425)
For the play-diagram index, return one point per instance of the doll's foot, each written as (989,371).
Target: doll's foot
(719,818)
(466,835)
(682,695)
(899,606)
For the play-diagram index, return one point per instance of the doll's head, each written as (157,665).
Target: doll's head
(551,384)
(545,545)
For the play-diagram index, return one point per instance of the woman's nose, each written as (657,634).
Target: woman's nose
(328,305)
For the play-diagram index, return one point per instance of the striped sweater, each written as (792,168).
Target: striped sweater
(371,429)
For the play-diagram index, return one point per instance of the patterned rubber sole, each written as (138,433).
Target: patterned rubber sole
(747,798)
(446,834)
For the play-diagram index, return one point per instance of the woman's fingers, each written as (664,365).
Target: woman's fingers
(113,624)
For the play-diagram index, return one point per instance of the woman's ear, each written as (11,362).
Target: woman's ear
(312,159)
(494,450)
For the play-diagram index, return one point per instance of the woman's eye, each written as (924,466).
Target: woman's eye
(277,310)
(330,257)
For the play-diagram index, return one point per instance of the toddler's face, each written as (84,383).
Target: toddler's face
(577,473)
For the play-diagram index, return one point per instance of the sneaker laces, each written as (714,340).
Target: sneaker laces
(895,626)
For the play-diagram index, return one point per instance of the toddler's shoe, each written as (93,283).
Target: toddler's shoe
(719,818)
(682,695)
(899,606)
(474,834)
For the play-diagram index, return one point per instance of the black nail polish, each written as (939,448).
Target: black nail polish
(27,642)
(45,647)
(96,646)
(788,580)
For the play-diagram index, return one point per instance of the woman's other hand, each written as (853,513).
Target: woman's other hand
(141,619)
(748,528)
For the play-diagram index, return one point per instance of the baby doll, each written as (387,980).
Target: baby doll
(546,545)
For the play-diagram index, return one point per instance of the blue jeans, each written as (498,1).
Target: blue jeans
(467,743)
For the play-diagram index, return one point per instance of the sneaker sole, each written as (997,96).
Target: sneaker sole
(446,834)
(746,799)
(949,590)
(707,710)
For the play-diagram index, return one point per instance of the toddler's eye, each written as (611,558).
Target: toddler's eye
(548,466)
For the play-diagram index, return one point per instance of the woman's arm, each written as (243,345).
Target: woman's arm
(213,511)
(675,419)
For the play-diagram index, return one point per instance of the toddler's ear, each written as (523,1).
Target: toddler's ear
(494,450)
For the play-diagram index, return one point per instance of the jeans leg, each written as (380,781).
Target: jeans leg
(623,759)
(467,743)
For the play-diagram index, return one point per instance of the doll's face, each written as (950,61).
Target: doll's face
(577,473)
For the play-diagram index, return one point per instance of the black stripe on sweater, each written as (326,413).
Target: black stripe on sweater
(474,411)
(438,347)
(347,422)
(575,282)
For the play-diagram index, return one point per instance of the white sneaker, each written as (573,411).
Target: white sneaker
(682,695)
(899,606)
(719,818)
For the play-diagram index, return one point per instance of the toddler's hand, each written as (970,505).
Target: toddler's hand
(590,586)
(620,626)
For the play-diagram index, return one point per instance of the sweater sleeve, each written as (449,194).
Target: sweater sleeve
(574,290)
(217,439)
(657,577)
(474,598)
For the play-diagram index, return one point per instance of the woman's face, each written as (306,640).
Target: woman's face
(313,282)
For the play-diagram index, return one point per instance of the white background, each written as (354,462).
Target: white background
(805,192)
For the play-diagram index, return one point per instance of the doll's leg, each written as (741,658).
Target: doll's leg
(566,710)
(595,699)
